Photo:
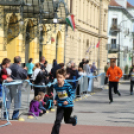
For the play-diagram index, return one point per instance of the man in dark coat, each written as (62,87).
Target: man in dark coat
(82,63)
(53,70)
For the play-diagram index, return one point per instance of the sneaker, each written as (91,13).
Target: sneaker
(75,117)
(119,93)
(110,102)
(131,93)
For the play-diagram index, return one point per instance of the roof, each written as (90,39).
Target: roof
(114,3)
(129,5)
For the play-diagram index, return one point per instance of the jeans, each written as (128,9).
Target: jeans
(14,93)
(62,112)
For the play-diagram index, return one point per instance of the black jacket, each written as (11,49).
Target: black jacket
(73,76)
(53,70)
(81,65)
(18,73)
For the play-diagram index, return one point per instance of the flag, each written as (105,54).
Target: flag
(70,21)
(88,49)
(98,44)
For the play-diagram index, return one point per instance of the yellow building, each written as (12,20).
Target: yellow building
(91,18)
(26,39)
(53,42)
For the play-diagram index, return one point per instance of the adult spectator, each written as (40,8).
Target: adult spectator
(18,73)
(30,67)
(42,61)
(94,69)
(68,68)
(53,70)
(45,71)
(81,64)
(74,74)
(105,70)
(5,64)
(54,63)
(114,74)
(86,67)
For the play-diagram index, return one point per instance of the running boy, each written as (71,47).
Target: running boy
(64,102)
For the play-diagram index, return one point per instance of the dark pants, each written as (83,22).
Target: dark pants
(38,89)
(62,112)
(131,86)
(29,75)
(115,86)
(106,80)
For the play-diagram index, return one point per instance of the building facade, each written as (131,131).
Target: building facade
(53,42)
(31,39)
(91,17)
(120,32)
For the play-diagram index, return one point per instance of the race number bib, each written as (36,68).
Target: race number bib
(62,94)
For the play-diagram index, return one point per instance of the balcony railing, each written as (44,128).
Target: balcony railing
(115,28)
(113,47)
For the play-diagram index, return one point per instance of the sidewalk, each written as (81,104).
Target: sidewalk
(95,116)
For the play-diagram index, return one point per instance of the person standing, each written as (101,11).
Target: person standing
(42,62)
(131,75)
(105,70)
(114,74)
(82,63)
(53,70)
(54,63)
(86,67)
(18,73)
(30,67)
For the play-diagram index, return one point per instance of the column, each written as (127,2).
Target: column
(88,14)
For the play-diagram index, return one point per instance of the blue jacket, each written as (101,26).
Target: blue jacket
(65,93)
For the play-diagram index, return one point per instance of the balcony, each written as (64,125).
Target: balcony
(113,47)
(114,28)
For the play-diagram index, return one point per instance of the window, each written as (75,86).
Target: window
(71,6)
(113,43)
(114,21)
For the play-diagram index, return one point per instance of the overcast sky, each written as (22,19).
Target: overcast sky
(131,2)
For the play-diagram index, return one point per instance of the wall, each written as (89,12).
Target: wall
(90,28)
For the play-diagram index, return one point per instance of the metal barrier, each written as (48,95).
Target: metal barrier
(21,90)
(17,97)
(86,84)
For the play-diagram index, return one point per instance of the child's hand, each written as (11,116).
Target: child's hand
(65,102)
(41,111)
(55,102)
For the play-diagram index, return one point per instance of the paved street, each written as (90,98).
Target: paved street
(95,116)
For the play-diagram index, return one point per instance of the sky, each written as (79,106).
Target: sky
(131,2)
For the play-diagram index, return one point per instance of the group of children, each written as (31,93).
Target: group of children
(40,104)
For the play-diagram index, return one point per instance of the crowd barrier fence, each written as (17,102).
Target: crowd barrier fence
(85,83)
